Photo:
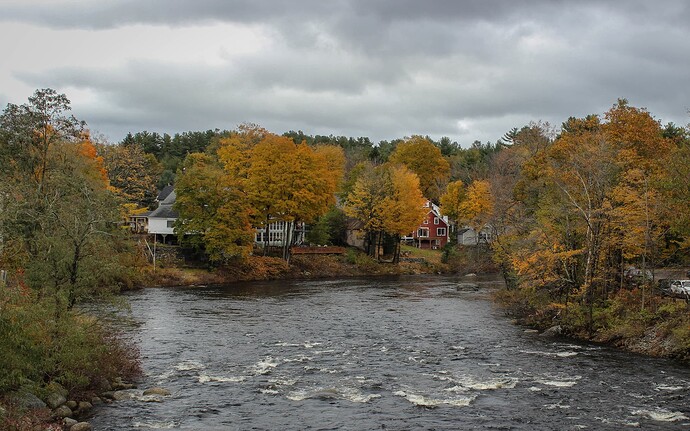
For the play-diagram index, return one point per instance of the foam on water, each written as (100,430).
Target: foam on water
(204,378)
(661,415)
(558,384)
(669,388)
(470,383)
(156,425)
(563,354)
(345,393)
(299,358)
(310,345)
(190,365)
(264,366)
(422,401)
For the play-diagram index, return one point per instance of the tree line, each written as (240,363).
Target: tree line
(60,246)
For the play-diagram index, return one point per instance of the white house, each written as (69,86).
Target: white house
(469,236)
(162,219)
(278,234)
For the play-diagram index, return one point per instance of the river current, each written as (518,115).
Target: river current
(408,353)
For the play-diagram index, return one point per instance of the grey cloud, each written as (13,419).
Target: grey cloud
(386,69)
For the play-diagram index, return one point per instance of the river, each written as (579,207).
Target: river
(408,353)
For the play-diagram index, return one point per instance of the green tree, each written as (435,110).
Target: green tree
(214,216)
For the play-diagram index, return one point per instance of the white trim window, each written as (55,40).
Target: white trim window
(423,232)
(440,231)
(436,220)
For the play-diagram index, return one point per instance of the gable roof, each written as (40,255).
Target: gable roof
(165,208)
(165,192)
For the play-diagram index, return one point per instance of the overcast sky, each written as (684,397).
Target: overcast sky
(384,69)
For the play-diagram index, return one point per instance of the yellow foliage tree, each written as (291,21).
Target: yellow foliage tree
(423,158)
(387,200)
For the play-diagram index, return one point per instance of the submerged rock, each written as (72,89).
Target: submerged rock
(467,286)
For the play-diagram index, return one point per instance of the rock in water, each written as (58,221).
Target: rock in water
(69,422)
(157,391)
(553,331)
(467,286)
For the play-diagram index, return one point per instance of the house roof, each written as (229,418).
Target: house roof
(165,208)
(164,211)
(165,192)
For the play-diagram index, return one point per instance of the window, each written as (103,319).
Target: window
(426,221)
(440,231)
(170,223)
(423,232)
(437,242)
(435,220)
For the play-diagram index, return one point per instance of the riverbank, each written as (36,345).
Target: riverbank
(257,268)
(634,320)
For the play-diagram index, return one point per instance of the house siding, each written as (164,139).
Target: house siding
(436,229)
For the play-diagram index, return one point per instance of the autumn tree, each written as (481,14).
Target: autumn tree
(214,215)
(29,130)
(403,207)
(132,172)
(387,200)
(281,180)
(423,158)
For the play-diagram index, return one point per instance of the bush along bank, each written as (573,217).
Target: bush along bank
(631,319)
(353,263)
(55,362)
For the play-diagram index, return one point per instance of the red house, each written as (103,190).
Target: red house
(433,232)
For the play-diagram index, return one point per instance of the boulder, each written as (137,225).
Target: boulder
(119,385)
(553,331)
(69,422)
(123,395)
(62,412)
(81,426)
(26,400)
(55,400)
(467,286)
(72,404)
(84,406)
(96,401)
(57,387)
(109,395)
(157,391)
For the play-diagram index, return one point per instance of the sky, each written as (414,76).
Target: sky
(385,69)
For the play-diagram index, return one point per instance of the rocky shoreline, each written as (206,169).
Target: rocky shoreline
(53,409)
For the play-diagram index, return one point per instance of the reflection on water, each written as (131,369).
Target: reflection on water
(402,353)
